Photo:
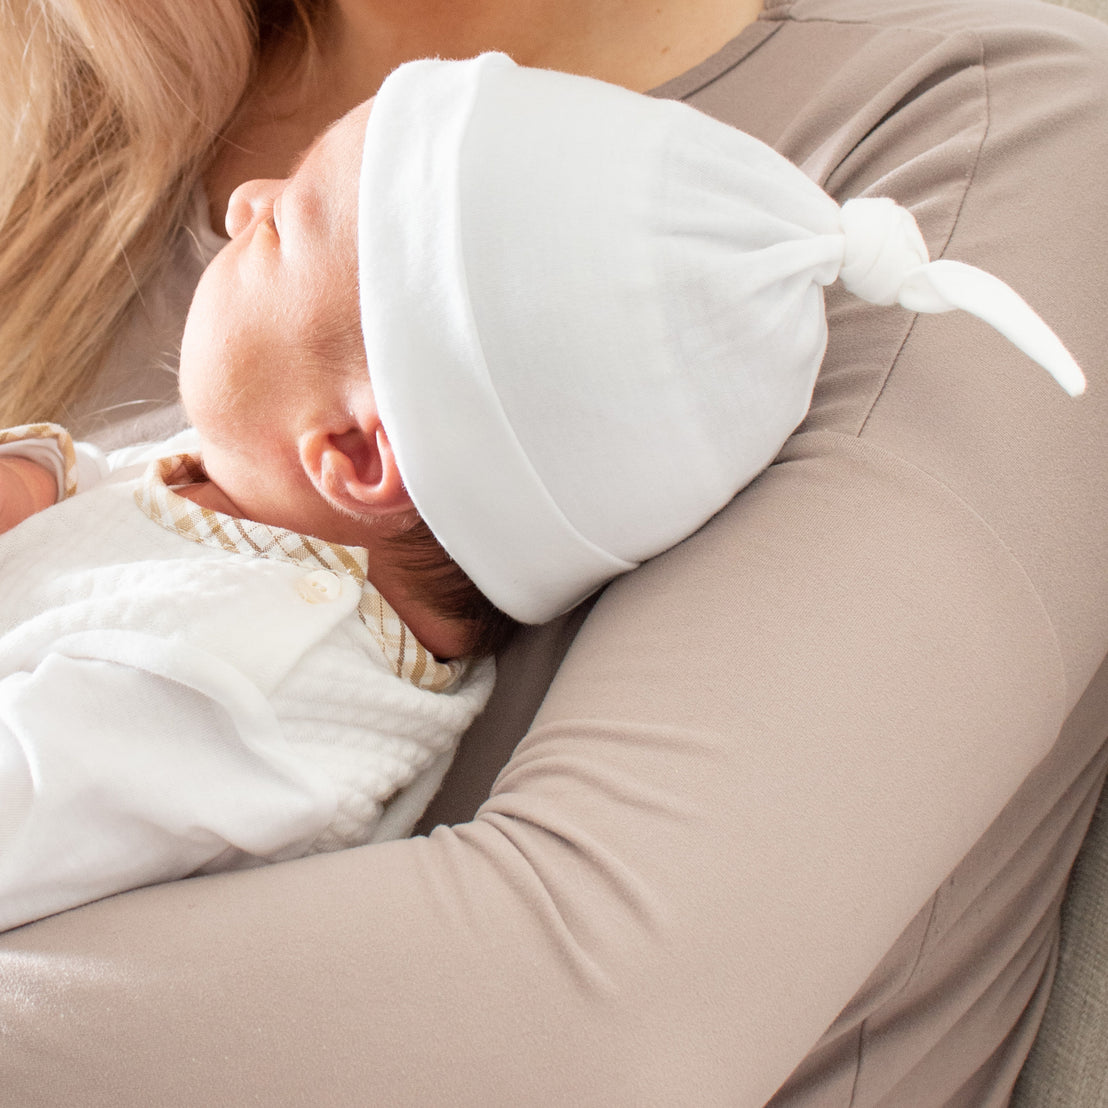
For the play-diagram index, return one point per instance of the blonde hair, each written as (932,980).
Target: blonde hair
(109,110)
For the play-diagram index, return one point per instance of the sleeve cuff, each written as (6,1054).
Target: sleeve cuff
(76,466)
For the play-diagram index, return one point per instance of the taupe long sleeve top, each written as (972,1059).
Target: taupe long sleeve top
(803,793)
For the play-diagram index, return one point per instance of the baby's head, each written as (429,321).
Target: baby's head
(274,378)
(273,367)
(564,322)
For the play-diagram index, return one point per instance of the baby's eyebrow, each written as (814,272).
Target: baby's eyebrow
(303,155)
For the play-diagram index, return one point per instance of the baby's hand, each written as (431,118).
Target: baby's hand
(25,488)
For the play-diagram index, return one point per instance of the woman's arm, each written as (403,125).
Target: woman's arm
(677,883)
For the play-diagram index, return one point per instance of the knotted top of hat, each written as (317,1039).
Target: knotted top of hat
(591,317)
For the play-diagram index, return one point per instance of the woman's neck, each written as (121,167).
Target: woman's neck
(640,44)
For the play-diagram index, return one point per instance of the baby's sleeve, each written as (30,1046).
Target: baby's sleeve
(126,760)
(77,466)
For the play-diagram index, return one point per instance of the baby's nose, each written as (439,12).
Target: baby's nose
(245,203)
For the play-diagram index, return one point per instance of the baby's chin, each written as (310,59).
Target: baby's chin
(227,488)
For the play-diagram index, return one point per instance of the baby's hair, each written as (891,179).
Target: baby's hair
(438,581)
(334,342)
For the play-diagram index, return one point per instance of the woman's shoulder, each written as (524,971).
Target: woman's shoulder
(840,66)
(940,17)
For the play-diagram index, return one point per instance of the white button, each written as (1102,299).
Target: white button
(319,587)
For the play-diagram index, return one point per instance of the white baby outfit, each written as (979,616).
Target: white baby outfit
(182,691)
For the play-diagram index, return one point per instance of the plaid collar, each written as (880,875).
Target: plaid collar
(405,654)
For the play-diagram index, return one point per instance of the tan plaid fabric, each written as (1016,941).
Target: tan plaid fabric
(60,436)
(407,657)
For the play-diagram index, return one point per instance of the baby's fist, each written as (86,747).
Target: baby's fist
(25,488)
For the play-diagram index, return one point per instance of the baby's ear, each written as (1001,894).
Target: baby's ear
(354,469)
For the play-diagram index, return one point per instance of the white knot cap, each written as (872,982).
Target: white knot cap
(882,248)
(885,261)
